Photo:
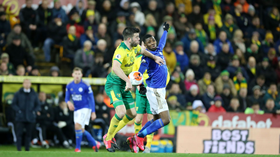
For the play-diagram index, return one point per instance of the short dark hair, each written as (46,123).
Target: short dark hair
(146,37)
(129,31)
(261,77)
(77,69)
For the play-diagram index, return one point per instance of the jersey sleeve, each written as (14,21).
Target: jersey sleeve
(90,98)
(162,40)
(119,55)
(144,64)
(67,93)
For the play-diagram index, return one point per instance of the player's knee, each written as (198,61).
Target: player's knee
(121,114)
(78,126)
(165,121)
(138,119)
(133,114)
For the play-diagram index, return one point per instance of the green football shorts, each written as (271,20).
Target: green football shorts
(142,104)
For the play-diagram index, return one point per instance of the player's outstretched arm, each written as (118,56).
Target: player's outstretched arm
(146,53)
(119,72)
(163,38)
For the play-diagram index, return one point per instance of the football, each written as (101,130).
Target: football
(136,78)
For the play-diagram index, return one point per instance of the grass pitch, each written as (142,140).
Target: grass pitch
(10,151)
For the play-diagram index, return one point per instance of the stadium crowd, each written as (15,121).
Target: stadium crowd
(222,54)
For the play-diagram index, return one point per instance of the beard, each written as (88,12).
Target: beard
(133,44)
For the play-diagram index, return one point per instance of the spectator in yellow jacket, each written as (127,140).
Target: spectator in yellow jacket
(217,17)
(170,57)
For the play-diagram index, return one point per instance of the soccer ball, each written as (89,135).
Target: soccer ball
(136,78)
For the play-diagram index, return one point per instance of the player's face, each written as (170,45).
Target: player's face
(135,40)
(77,75)
(151,43)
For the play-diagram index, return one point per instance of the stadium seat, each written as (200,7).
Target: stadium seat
(62,58)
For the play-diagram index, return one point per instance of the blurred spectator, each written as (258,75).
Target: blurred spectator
(25,43)
(181,56)
(18,55)
(245,5)
(92,6)
(169,10)
(70,43)
(208,96)
(266,70)
(59,11)
(103,34)
(234,106)
(212,14)
(227,7)
(45,119)
(169,20)
(194,50)
(44,19)
(84,57)
(256,96)
(270,107)
(20,70)
(56,32)
(189,79)
(28,20)
(186,5)
(212,68)
(192,95)
(173,104)
(25,104)
(238,41)
(150,24)
(260,81)
(121,19)
(195,63)
(255,52)
(235,66)
(89,36)
(204,83)
(226,96)
(217,106)
(107,12)
(251,68)
(182,25)
(152,9)
(224,57)
(239,81)
(4,69)
(243,99)
(272,58)
(198,106)
(218,43)
(201,34)
(55,72)
(5,27)
(272,21)
(90,21)
(109,54)
(229,26)
(75,20)
(63,117)
(241,18)
(175,90)
(222,80)
(268,42)
(188,38)
(80,9)
(170,57)
(101,47)
(277,70)
(177,77)
(272,93)
(171,37)
(34,71)
(196,16)
(99,69)
(255,27)
(254,109)
(211,29)
(2,43)
(209,50)
(139,15)
(124,7)
(118,35)
(10,66)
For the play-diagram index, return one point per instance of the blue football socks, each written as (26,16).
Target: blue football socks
(147,124)
(79,137)
(90,139)
(151,128)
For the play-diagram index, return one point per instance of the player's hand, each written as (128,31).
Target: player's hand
(93,116)
(143,89)
(165,26)
(159,60)
(71,106)
(128,86)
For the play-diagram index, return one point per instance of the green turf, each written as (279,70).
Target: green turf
(10,151)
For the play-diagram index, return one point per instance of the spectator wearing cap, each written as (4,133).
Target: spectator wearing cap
(18,55)
(56,32)
(196,16)
(80,9)
(272,93)
(189,79)
(70,43)
(90,21)
(268,42)
(212,29)
(272,21)
(139,15)
(217,106)
(251,69)
(256,96)
(5,27)
(255,27)
(173,104)
(84,57)
(226,96)
(208,96)
(277,70)
(212,68)
(10,66)
(239,81)
(270,107)
(192,95)
(169,20)
(182,25)
(212,13)
(120,19)
(234,66)
(204,83)
(170,57)
(234,106)
(229,27)
(265,69)
(181,57)
(59,11)
(188,38)
(222,80)
(197,66)
(44,19)
(54,71)
(254,109)
(152,9)
(243,99)
(198,106)
(218,43)
(89,35)
(224,57)
(75,20)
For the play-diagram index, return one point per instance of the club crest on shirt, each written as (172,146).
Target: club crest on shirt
(143,61)
(118,56)
(71,89)
(80,89)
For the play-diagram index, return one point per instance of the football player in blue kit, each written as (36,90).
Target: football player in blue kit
(83,107)
(156,84)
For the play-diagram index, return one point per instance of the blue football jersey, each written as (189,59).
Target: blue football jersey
(158,74)
(81,95)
